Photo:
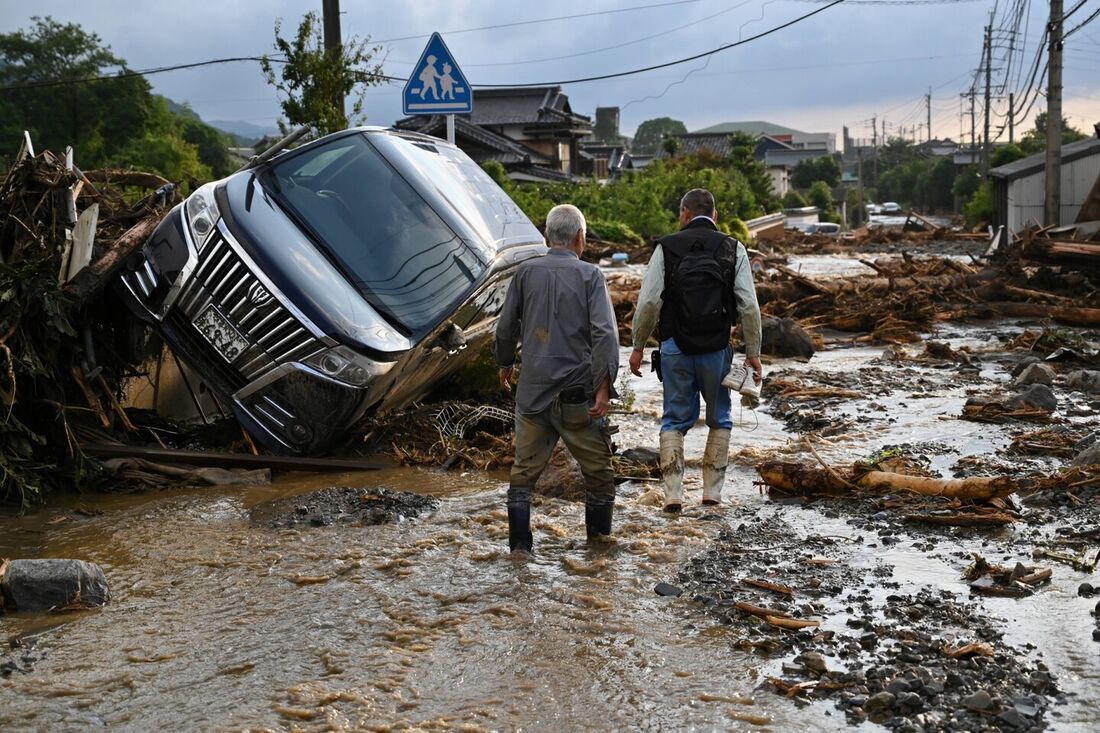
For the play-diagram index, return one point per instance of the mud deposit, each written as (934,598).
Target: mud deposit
(343,505)
(233,611)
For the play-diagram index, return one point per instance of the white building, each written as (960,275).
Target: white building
(1019,192)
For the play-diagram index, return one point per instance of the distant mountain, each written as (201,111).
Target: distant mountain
(246,132)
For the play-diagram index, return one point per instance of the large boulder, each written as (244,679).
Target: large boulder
(784,337)
(562,478)
(1037,395)
(1035,374)
(1084,380)
(43,585)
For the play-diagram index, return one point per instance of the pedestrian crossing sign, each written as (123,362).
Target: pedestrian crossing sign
(436,85)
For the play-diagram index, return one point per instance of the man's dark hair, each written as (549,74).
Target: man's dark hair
(698,201)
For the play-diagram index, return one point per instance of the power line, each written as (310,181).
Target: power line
(386,77)
(596,50)
(127,73)
(518,23)
(677,62)
(1081,25)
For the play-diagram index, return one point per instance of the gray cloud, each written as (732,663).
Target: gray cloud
(837,68)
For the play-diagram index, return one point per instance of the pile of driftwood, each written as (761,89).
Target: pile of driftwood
(66,342)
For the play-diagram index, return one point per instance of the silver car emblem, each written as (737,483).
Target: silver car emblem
(258,295)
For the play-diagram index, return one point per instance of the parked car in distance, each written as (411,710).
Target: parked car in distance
(346,276)
(873,208)
(891,207)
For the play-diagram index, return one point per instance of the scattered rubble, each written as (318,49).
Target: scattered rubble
(345,506)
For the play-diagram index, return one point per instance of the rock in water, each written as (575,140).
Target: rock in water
(979,702)
(1088,457)
(562,478)
(42,585)
(1084,380)
(784,337)
(879,703)
(1037,395)
(1035,374)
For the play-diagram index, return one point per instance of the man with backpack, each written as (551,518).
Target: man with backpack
(698,284)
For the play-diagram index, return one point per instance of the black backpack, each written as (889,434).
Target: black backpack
(704,311)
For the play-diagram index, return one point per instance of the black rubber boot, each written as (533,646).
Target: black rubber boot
(519,528)
(597,520)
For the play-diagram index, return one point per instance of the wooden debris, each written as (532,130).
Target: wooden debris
(962,519)
(980,649)
(760,611)
(773,587)
(798,478)
(791,624)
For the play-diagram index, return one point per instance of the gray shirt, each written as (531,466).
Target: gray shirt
(560,310)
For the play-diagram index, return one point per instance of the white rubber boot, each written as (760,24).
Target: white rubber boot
(715,459)
(672,469)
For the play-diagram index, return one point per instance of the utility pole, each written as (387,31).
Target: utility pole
(874,143)
(331,11)
(1011,117)
(1052,209)
(973,132)
(862,207)
(928,107)
(988,49)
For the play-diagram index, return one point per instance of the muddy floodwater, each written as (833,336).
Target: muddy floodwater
(219,623)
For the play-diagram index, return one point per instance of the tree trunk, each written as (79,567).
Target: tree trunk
(94,277)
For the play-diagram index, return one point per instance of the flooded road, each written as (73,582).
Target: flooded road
(427,625)
(218,624)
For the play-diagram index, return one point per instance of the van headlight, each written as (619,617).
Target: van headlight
(344,365)
(202,214)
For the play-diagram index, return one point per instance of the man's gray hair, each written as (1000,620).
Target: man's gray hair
(562,224)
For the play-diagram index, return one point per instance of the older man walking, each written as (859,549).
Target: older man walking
(698,283)
(559,309)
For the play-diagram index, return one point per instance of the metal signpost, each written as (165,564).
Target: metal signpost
(437,86)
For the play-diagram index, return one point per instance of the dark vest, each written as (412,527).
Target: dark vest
(675,246)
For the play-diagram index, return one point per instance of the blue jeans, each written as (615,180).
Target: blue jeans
(686,378)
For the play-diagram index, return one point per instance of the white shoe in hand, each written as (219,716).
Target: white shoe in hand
(741,379)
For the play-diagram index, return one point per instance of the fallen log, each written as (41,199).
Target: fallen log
(122,177)
(95,276)
(963,519)
(798,478)
(1069,316)
(974,488)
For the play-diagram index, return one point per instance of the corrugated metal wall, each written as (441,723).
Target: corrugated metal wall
(1026,195)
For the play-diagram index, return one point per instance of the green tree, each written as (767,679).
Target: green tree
(650,133)
(794,200)
(164,148)
(743,158)
(809,170)
(315,82)
(1035,139)
(1007,154)
(979,209)
(821,196)
(98,117)
(670,145)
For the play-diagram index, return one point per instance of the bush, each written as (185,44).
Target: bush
(737,229)
(613,231)
(821,196)
(794,200)
(979,210)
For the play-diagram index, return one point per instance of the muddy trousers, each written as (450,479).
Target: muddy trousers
(536,436)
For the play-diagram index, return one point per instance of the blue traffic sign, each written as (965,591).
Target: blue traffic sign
(436,85)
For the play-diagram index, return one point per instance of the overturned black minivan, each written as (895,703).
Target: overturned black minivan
(344,276)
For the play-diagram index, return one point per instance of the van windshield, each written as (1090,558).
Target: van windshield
(389,242)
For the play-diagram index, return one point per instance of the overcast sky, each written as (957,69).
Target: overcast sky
(838,68)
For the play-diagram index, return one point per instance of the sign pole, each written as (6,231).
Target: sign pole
(451,129)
